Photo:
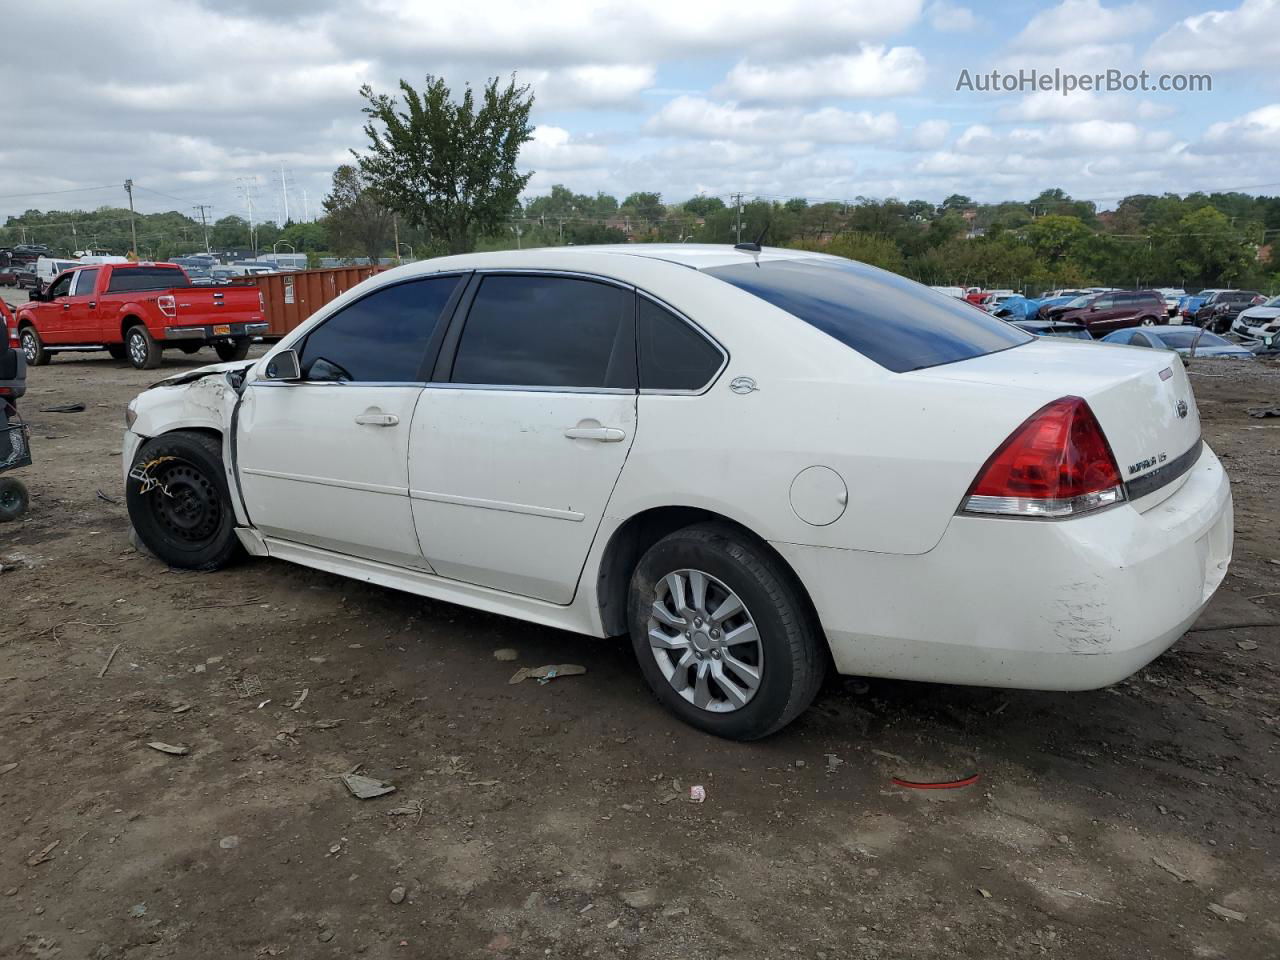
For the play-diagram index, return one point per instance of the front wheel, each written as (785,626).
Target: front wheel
(14,499)
(230,352)
(144,352)
(179,504)
(33,348)
(723,634)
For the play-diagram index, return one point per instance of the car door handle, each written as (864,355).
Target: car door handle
(603,434)
(377,419)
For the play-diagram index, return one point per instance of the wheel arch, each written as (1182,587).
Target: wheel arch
(130,320)
(637,534)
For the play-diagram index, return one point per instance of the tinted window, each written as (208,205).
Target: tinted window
(536,331)
(381,338)
(85,280)
(62,286)
(131,279)
(673,356)
(894,321)
(1104,303)
(1140,340)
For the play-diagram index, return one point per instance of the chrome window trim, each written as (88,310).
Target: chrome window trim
(724,354)
(337,383)
(518,388)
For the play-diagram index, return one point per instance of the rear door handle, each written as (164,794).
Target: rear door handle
(377,419)
(603,434)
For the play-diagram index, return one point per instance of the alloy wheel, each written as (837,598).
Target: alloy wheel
(705,641)
(29,346)
(137,348)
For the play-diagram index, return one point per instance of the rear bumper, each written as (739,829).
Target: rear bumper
(1068,605)
(212,332)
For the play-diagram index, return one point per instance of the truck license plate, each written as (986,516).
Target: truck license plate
(222,330)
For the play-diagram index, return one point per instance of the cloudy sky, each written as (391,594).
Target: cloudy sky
(205,102)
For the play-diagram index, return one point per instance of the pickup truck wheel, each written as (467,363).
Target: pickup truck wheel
(116,351)
(235,350)
(723,634)
(144,352)
(33,348)
(179,504)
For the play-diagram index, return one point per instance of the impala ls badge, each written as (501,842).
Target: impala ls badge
(1182,408)
(743,385)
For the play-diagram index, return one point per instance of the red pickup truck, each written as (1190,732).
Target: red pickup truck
(136,310)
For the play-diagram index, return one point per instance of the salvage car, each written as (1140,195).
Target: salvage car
(1220,309)
(1185,341)
(134,311)
(757,463)
(1261,322)
(1110,310)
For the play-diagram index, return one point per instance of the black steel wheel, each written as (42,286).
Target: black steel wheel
(14,499)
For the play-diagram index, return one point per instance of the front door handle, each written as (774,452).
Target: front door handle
(603,434)
(377,419)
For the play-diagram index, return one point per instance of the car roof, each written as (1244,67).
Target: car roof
(698,256)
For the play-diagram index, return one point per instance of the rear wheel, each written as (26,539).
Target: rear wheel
(144,352)
(33,347)
(235,350)
(1148,321)
(179,503)
(723,634)
(14,499)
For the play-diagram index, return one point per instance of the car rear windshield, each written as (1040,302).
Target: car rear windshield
(134,279)
(889,319)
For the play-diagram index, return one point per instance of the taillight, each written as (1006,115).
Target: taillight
(168,305)
(1057,464)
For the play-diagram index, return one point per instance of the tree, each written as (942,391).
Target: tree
(359,225)
(700,205)
(448,166)
(1054,237)
(646,206)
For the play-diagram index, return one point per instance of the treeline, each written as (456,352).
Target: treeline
(1193,241)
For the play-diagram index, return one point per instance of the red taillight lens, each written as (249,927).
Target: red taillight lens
(168,305)
(1057,464)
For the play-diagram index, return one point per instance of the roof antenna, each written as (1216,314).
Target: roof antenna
(754,245)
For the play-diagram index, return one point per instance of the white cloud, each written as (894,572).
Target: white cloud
(1073,23)
(590,85)
(930,134)
(552,148)
(950,17)
(873,71)
(1084,138)
(1248,36)
(700,118)
(1049,105)
(1257,130)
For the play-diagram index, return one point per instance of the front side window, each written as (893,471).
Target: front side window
(673,355)
(381,338)
(548,331)
(893,321)
(61,287)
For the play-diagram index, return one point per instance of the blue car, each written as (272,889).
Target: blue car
(1181,340)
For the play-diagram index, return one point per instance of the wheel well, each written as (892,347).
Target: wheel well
(629,543)
(128,322)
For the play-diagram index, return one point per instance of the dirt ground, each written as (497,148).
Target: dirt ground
(553,820)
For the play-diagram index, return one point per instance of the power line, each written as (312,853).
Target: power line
(50,193)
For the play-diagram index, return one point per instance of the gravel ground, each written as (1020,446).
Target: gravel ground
(552,820)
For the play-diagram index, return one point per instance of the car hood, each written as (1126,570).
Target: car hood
(190,376)
(1262,313)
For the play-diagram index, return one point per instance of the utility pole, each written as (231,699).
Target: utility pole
(133,229)
(246,191)
(395,232)
(202,207)
(738,232)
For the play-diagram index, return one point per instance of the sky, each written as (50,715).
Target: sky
(218,103)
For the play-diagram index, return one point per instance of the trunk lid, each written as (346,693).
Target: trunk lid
(1141,397)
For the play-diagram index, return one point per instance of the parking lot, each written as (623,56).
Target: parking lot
(554,819)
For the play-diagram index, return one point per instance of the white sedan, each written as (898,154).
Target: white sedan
(758,464)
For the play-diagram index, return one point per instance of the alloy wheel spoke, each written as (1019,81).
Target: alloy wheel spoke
(729,685)
(697,590)
(664,616)
(680,678)
(701,689)
(747,633)
(731,605)
(675,585)
(745,674)
(661,641)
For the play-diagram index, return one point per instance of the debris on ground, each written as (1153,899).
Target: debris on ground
(169,748)
(111,656)
(229,843)
(1170,869)
(43,856)
(75,408)
(396,895)
(1246,645)
(105,499)
(8,767)
(366,788)
(644,899)
(327,724)
(697,793)
(1226,913)
(548,673)
(1260,412)
(249,686)
(1207,695)
(301,697)
(506,654)
(832,762)
(986,894)
(936,784)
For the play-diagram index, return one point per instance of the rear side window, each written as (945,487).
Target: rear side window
(138,279)
(673,355)
(381,338)
(889,319)
(546,331)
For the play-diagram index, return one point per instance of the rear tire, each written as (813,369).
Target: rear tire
(1148,321)
(233,351)
(144,352)
(179,504)
(14,499)
(786,659)
(33,347)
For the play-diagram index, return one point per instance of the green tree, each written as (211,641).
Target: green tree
(1055,237)
(448,165)
(358,224)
